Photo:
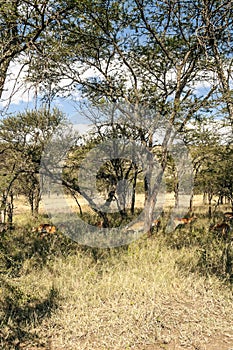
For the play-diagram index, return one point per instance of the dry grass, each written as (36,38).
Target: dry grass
(154,294)
(121,299)
(143,299)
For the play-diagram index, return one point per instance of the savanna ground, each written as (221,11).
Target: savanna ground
(171,291)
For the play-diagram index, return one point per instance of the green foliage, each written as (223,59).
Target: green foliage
(152,53)
(26,27)
(23,138)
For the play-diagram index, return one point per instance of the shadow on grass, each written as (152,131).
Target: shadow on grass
(22,249)
(20,314)
(20,245)
(207,252)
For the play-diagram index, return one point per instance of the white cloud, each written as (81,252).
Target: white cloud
(16,90)
(82,128)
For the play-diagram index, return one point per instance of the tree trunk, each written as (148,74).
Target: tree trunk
(37,199)
(10,210)
(176,190)
(4,208)
(191,202)
(204,198)
(134,193)
(3,73)
(210,196)
(150,204)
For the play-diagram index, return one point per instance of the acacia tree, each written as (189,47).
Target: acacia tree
(204,140)
(210,146)
(215,37)
(23,138)
(214,178)
(224,175)
(26,27)
(146,53)
(7,178)
(115,179)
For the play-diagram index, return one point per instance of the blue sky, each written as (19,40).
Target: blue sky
(22,98)
(65,105)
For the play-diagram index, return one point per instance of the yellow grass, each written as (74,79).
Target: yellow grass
(140,298)
(166,292)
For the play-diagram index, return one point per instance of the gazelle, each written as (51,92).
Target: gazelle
(100,223)
(228,216)
(184,221)
(156,224)
(44,229)
(223,228)
(139,226)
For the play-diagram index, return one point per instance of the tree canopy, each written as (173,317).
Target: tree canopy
(172,58)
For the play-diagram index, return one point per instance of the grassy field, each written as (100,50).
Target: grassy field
(171,291)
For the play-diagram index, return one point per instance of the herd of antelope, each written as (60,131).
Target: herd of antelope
(223,228)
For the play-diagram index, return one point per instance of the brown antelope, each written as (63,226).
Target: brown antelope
(100,223)
(44,229)
(156,224)
(139,226)
(228,216)
(221,228)
(183,221)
